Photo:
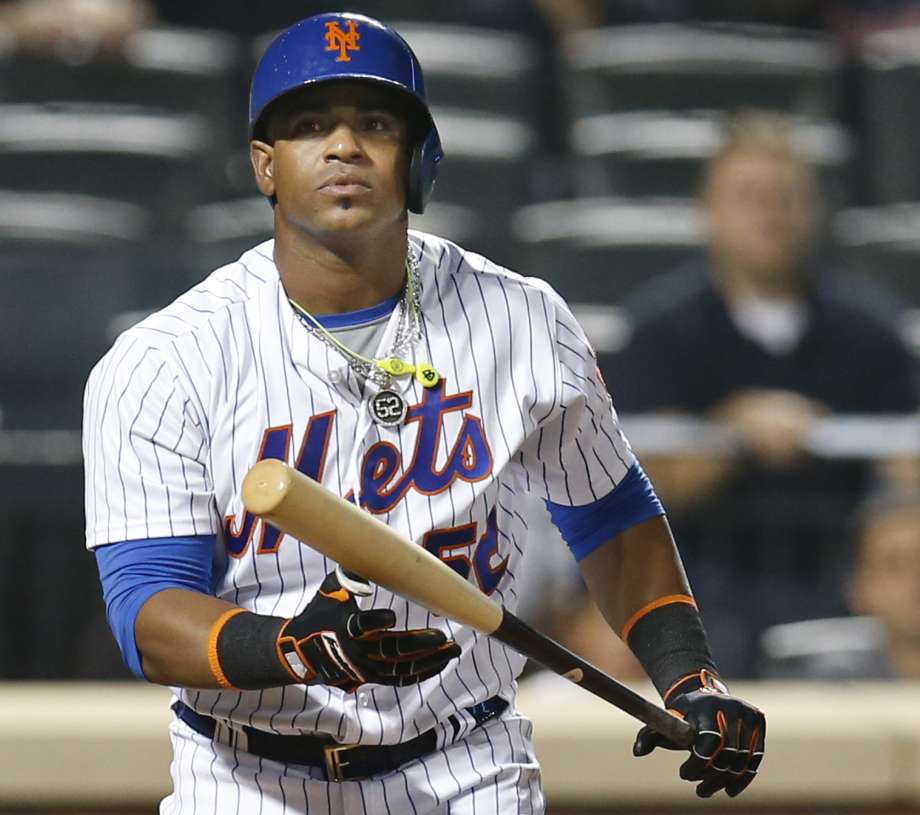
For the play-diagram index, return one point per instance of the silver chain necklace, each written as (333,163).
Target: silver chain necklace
(387,406)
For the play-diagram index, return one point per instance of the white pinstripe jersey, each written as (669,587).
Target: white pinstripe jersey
(187,400)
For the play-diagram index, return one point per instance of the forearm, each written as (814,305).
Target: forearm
(173,630)
(190,639)
(638,581)
(637,567)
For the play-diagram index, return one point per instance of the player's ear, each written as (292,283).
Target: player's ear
(262,155)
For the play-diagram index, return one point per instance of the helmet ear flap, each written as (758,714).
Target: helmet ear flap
(423,170)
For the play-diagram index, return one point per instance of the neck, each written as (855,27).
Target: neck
(738,284)
(331,279)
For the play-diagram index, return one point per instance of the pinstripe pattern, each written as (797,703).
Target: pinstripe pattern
(493,771)
(175,415)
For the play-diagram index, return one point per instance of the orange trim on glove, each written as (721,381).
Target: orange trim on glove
(213,660)
(710,682)
(649,607)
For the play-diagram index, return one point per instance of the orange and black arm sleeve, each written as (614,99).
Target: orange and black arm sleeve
(668,639)
(243,651)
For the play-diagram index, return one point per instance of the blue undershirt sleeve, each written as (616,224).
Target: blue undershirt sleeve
(133,571)
(584,528)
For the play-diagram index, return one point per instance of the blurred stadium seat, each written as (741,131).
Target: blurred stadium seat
(688,67)
(67,263)
(832,648)
(217,233)
(155,160)
(42,509)
(475,67)
(891,118)
(662,152)
(484,172)
(422,10)
(168,70)
(883,244)
(596,250)
(458,223)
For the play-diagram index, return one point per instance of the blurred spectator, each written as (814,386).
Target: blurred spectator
(73,30)
(854,20)
(883,643)
(886,578)
(760,336)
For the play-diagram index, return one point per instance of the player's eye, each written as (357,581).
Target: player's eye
(306,124)
(379,122)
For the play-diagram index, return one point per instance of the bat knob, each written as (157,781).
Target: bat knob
(265,486)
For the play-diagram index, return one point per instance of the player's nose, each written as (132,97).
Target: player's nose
(343,144)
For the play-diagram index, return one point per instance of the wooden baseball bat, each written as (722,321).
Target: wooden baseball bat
(357,541)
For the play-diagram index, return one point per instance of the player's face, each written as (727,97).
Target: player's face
(338,161)
(761,210)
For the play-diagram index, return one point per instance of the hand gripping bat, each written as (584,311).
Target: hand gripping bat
(357,541)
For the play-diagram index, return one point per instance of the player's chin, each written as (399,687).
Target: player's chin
(354,215)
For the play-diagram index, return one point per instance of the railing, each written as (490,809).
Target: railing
(835,437)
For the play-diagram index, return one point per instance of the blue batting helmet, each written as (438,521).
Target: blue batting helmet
(349,46)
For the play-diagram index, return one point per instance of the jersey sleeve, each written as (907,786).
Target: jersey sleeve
(577,453)
(145,450)
(131,575)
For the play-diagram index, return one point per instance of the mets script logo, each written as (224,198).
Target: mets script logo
(342,41)
(384,479)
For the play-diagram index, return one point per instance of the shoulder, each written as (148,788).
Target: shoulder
(226,288)
(463,269)
(856,314)
(159,339)
(856,304)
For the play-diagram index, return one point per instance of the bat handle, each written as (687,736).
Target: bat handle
(520,636)
(682,733)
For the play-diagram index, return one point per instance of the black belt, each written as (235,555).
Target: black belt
(341,762)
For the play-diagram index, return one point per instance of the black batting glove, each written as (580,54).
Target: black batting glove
(729,743)
(333,642)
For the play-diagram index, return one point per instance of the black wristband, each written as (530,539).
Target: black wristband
(670,642)
(245,651)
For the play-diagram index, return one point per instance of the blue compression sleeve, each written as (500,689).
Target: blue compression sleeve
(133,571)
(585,528)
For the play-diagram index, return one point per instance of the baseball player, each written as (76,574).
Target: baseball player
(429,386)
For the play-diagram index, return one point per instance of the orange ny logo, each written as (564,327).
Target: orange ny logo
(343,41)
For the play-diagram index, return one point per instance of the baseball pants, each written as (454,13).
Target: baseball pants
(490,771)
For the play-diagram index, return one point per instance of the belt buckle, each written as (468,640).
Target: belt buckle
(334,762)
